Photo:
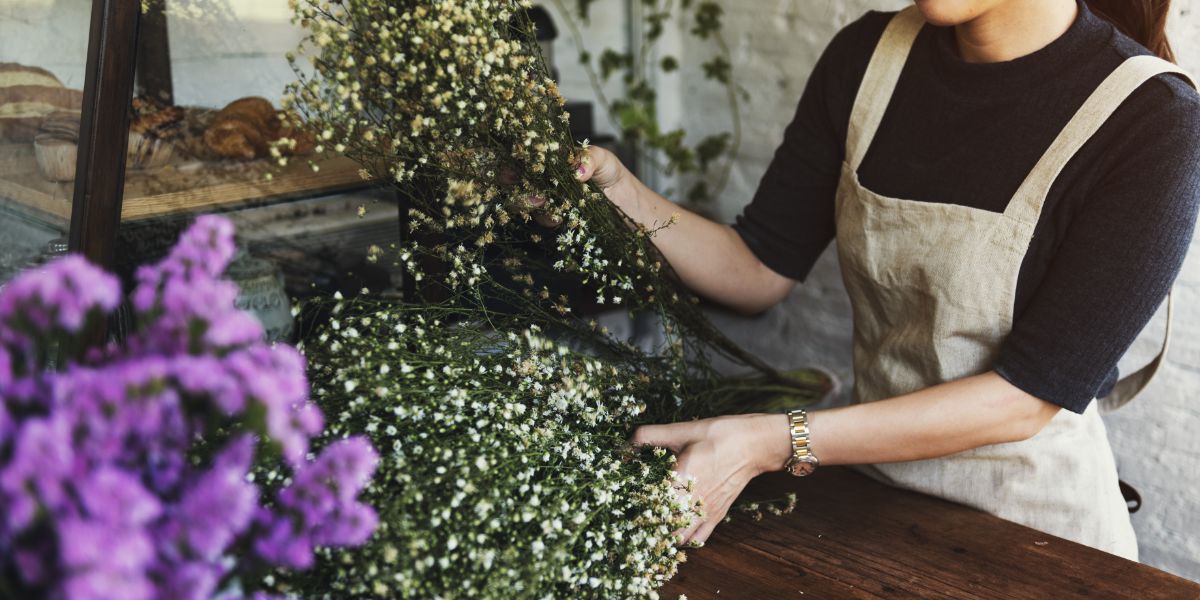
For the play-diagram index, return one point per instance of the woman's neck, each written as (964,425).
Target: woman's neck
(1014,29)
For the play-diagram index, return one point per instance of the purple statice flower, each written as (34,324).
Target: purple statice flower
(188,307)
(320,507)
(219,503)
(6,368)
(256,596)
(6,423)
(210,377)
(281,541)
(202,253)
(47,302)
(59,294)
(101,562)
(189,580)
(126,474)
(273,377)
(234,328)
(127,413)
(36,474)
(115,496)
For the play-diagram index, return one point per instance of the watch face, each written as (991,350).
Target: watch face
(800,468)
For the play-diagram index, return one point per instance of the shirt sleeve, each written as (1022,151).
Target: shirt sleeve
(1119,256)
(790,221)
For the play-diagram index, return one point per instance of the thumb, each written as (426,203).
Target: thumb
(673,437)
(600,167)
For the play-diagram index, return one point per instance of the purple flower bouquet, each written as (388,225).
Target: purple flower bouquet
(175,465)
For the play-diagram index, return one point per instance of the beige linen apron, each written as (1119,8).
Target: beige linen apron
(932,287)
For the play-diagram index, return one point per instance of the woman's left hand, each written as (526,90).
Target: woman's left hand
(722,454)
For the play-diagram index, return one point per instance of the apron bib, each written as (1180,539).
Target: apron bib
(932,288)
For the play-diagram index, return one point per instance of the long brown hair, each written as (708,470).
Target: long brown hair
(1143,20)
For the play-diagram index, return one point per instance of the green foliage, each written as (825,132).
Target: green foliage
(583,7)
(711,148)
(612,61)
(708,20)
(718,68)
(634,112)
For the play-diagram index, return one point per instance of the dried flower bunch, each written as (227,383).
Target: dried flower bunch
(506,470)
(127,472)
(449,102)
(505,460)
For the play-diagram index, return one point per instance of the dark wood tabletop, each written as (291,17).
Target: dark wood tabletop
(852,537)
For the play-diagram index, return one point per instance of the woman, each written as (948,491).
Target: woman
(1012,192)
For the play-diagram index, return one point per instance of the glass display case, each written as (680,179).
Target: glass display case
(123,120)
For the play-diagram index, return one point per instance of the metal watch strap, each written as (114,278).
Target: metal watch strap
(803,461)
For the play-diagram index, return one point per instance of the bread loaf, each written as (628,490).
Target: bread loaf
(246,128)
(27,95)
(243,129)
(15,74)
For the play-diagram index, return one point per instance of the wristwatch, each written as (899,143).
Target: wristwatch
(803,461)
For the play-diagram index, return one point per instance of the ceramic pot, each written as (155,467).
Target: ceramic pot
(261,292)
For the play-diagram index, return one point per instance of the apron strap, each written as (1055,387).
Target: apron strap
(1130,386)
(875,91)
(1026,203)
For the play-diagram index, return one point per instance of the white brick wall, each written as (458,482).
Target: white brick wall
(776,43)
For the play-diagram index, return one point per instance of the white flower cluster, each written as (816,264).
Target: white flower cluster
(505,472)
(449,101)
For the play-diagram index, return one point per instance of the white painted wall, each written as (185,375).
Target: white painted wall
(221,50)
(776,43)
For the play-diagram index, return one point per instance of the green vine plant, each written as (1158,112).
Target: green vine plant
(635,114)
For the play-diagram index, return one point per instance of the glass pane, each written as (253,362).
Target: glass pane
(204,121)
(43,47)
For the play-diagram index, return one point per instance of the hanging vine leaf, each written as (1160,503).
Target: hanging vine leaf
(583,6)
(612,61)
(708,19)
(718,68)
(710,148)
(642,92)
(654,23)
(680,157)
(699,193)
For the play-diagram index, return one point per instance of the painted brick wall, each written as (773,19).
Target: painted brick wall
(775,45)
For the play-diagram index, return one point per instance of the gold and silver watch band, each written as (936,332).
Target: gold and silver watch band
(803,461)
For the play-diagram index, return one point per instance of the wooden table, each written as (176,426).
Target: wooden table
(852,537)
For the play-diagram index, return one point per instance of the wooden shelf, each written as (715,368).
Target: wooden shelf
(181,187)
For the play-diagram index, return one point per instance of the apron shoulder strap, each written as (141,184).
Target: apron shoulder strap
(1130,386)
(875,91)
(1026,204)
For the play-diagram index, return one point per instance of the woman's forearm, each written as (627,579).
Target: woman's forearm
(710,258)
(937,421)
